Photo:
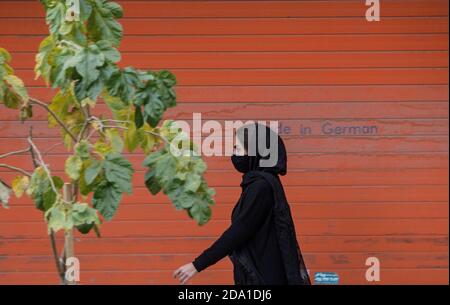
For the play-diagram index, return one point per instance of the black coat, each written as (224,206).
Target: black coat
(261,240)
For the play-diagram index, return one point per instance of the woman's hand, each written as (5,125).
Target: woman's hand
(184,273)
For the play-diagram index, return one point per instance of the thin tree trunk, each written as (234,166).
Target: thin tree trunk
(68,238)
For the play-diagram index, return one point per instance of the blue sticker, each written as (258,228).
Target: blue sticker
(326,278)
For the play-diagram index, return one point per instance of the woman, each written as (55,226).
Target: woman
(261,240)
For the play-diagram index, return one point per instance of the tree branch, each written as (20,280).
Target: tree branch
(16,169)
(83,129)
(33,156)
(52,147)
(146,131)
(59,266)
(42,164)
(54,115)
(17,152)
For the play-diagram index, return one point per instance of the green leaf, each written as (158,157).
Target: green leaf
(85,228)
(123,84)
(193,182)
(118,171)
(200,212)
(48,199)
(55,16)
(58,182)
(114,8)
(110,53)
(82,149)
(153,110)
(37,180)
(182,199)
(41,191)
(152,183)
(165,81)
(83,187)
(181,178)
(84,217)
(165,170)
(138,118)
(62,63)
(85,9)
(73,167)
(87,63)
(79,215)
(102,24)
(92,171)
(106,199)
(58,219)
(153,158)
(155,94)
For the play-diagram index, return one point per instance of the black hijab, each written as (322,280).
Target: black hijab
(253,168)
(262,145)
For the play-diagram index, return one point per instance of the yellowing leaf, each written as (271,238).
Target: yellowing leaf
(131,137)
(17,86)
(5,54)
(102,148)
(60,105)
(15,94)
(43,67)
(151,141)
(88,102)
(19,185)
(114,139)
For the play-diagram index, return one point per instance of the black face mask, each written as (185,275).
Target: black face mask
(241,163)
